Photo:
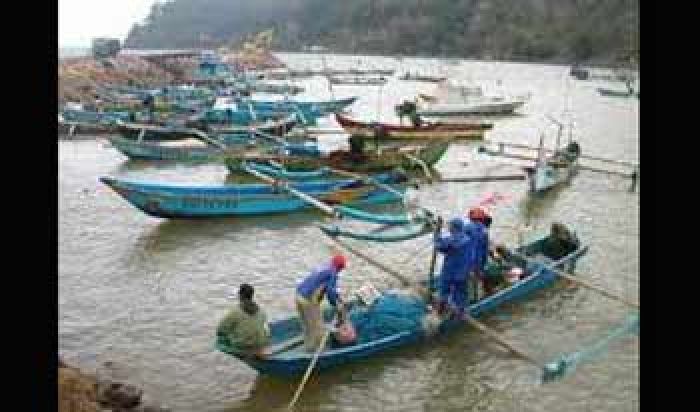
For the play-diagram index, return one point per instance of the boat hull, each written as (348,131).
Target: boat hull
(430,154)
(153,151)
(448,110)
(428,131)
(295,362)
(177,201)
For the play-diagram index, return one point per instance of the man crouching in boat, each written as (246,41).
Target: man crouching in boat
(320,282)
(457,247)
(245,326)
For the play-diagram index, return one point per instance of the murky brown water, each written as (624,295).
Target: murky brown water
(147,293)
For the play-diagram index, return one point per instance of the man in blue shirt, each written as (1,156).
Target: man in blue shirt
(476,227)
(457,246)
(320,282)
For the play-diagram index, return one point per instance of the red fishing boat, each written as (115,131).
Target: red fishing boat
(468,130)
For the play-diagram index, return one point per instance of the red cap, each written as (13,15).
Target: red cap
(339,262)
(478,214)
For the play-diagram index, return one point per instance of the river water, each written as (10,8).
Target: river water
(146,294)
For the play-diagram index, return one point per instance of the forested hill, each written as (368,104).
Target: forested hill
(538,30)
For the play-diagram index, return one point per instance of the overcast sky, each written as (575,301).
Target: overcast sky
(81,20)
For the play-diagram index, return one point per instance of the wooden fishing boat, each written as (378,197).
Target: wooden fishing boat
(408,76)
(157,132)
(285,356)
(291,106)
(472,130)
(188,151)
(391,233)
(192,150)
(465,100)
(408,158)
(554,170)
(189,201)
(359,81)
(617,93)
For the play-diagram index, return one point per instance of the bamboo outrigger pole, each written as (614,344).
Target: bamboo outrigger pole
(285,185)
(585,284)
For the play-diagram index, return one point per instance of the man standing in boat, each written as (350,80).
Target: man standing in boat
(457,265)
(245,326)
(476,226)
(320,282)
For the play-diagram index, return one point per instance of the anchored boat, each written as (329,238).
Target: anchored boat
(472,130)
(391,158)
(189,201)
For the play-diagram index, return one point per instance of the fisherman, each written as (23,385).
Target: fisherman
(416,119)
(357,146)
(561,242)
(495,269)
(476,226)
(310,292)
(245,326)
(457,247)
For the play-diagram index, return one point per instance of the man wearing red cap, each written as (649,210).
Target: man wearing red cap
(321,282)
(477,228)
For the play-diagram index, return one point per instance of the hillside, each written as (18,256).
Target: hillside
(538,30)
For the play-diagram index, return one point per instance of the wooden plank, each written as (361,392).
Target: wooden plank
(283,346)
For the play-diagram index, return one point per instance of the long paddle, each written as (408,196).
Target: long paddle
(310,368)
(549,369)
(586,284)
(433,258)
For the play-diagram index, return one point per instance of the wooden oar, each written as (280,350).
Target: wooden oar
(285,186)
(368,180)
(470,320)
(310,368)
(433,258)
(585,284)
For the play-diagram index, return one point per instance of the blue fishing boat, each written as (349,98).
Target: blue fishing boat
(203,151)
(160,132)
(231,113)
(189,201)
(552,171)
(94,117)
(288,105)
(286,357)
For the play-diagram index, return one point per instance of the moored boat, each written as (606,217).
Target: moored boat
(552,171)
(466,100)
(407,158)
(408,76)
(472,130)
(360,81)
(189,201)
(285,356)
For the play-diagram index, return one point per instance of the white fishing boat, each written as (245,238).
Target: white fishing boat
(463,100)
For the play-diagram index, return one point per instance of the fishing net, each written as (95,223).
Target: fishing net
(393,312)
(568,363)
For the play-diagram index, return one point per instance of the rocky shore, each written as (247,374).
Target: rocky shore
(80,79)
(82,392)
